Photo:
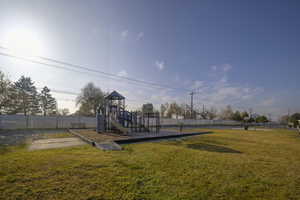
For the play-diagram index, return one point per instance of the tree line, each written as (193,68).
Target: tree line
(176,110)
(292,120)
(22,97)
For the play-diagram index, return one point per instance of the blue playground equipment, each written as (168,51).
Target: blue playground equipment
(113,117)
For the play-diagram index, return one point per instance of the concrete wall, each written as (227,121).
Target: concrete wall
(40,122)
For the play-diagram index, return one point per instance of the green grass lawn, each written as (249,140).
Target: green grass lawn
(227,164)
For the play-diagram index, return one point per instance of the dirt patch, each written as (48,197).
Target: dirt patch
(15,137)
(212,148)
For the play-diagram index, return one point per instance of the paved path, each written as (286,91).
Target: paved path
(55,143)
(13,137)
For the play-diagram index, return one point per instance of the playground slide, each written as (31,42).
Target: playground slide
(119,126)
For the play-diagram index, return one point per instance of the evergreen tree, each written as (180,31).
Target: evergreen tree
(27,97)
(147,108)
(295,119)
(261,119)
(244,115)
(47,102)
(7,94)
(237,116)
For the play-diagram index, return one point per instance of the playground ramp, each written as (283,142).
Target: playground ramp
(119,127)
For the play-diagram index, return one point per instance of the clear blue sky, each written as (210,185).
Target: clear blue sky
(242,53)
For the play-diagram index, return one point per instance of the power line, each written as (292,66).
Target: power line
(85,68)
(60,99)
(68,69)
(64,92)
(106,75)
(76,94)
(109,74)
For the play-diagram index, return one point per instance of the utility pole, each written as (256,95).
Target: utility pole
(192,104)
(270,118)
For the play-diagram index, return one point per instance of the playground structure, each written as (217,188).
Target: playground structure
(113,117)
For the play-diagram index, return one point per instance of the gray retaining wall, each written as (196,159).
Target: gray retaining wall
(58,122)
(41,122)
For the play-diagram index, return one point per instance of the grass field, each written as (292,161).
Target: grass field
(227,164)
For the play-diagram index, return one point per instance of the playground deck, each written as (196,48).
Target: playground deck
(91,136)
(98,137)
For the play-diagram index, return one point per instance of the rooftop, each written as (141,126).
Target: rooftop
(115,96)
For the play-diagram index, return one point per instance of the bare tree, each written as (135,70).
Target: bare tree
(174,108)
(64,111)
(227,113)
(284,119)
(184,110)
(89,99)
(147,108)
(212,113)
(163,109)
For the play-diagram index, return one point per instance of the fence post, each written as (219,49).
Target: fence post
(26,118)
(56,122)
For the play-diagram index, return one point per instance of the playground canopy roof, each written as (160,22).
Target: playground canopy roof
(114,96)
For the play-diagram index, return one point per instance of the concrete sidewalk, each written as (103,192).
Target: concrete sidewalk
(55,143)
(15,137)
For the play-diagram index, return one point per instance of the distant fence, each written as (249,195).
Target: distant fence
(195,122)
(40,122)
(166,122)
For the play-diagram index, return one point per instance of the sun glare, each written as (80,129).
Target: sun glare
(23,42)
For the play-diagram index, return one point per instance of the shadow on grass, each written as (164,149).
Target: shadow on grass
(211,148)
(4,149)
